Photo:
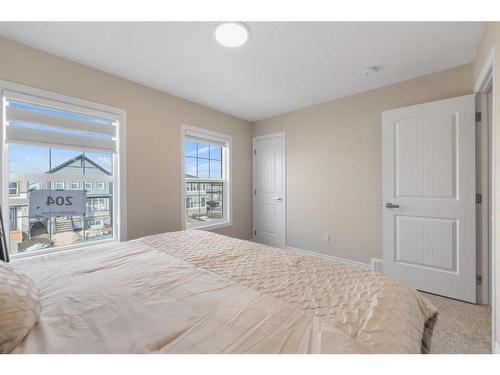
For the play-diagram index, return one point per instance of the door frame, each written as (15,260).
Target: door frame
(281,135)
(483,187)
(486,80)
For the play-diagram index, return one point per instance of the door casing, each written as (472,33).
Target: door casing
(486,82)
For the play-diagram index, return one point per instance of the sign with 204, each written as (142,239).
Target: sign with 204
(48,203)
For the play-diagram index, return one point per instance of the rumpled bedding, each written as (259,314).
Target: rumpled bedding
(200,292)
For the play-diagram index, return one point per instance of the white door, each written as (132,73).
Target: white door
(269,189)
(429,210)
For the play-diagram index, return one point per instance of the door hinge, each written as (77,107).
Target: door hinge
(255,152)
(478,116)
(479,280)
(254,232)
(479,198)
(255,192)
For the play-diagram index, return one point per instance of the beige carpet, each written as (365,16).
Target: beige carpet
(461,327)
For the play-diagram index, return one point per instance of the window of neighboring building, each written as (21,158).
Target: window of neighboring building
(74,185)
(207,178)
(100,186)
(59,185)
(53,142)
(102,204)
(13,188)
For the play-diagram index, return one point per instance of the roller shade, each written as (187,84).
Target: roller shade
(34,123)
(193,135)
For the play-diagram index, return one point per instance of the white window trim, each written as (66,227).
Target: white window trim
(99,183)
(86,183)
(227,171)
(119,163)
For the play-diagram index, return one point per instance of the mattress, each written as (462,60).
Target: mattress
(200,292)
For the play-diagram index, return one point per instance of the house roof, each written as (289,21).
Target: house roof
(81,157)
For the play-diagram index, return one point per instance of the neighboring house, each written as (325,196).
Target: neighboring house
(26,232)
(203,200)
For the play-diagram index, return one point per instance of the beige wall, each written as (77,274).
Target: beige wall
(490,40)
(154,164)
(334,167)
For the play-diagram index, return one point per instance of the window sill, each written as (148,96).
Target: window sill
(62,249)
(224,224)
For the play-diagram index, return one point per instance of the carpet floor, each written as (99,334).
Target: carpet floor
(461,328)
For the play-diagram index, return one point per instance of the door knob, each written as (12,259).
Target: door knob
(391,205)
(278,198)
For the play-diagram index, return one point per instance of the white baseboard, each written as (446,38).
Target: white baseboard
(378,265)
(341,260)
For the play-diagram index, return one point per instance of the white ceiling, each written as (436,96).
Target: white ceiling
(283,67)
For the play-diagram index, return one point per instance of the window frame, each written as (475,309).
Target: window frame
(69,103)
(15,216)
(91,185)
(226,180)
(100,183)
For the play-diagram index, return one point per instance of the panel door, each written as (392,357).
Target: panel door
(269,190)
(429,213)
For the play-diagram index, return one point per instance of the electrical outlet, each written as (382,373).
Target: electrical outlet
(326,237)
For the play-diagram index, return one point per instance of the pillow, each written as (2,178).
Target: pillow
(19,307)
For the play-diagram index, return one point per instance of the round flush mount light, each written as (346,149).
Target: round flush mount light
(231,34)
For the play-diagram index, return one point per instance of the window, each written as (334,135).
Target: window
(100,186)
(13,188)
(102,204)
(206,179)
(74,185)
(55,142)
(59,185)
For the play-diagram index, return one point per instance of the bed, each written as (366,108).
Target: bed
(200,292)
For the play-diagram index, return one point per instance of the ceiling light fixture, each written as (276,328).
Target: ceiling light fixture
(231,34)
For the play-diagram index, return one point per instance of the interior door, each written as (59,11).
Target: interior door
(269,189)
(429,213)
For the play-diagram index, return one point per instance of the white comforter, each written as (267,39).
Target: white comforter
(198,292)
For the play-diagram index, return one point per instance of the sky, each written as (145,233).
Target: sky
(32,159)
(203,160)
